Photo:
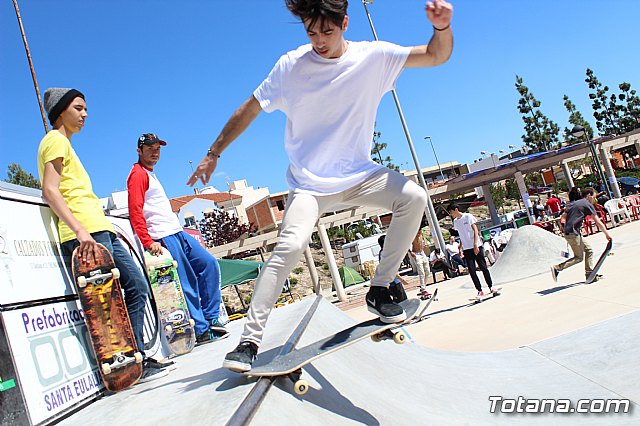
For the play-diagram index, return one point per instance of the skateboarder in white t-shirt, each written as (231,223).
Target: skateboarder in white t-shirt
(465,224)
(329,90)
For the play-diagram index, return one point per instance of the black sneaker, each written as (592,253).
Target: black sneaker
(152,363)
(554,273)
(380,302)
(210,336)
(241,358)
(150,373)
(397,292)
(216,325)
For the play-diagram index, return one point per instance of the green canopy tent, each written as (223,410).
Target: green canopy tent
(234,272)
(349,276)
(238,271)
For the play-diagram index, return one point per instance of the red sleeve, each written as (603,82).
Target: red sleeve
(137,185)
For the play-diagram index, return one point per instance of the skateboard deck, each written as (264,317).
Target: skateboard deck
(419,316)
(479,299)
(105,313)
(176,323)
(291,363)
(603,256)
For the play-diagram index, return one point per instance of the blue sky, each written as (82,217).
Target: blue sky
(180,69)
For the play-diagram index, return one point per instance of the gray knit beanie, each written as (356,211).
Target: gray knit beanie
(57,99)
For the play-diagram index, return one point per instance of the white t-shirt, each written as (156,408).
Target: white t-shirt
(453,248)
(161,221)
(435,256)
(463,226)
(331,107)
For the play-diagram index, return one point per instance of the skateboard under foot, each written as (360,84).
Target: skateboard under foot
(290,365)
(480,299)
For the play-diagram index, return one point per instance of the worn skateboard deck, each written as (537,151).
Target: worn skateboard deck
(177,326)
(479,299)
(291,363)
(603,256)
(105,313)
(419,316)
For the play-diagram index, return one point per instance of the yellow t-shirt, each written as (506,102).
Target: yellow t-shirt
(75,186)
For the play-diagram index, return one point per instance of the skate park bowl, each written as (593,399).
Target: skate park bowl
(391,384)
(531,251)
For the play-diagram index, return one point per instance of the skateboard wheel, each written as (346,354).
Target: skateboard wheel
(115,272)
(138,357)
(151,269)
(301,387)
(400,337)
(106,368)
(174,264)
(168,329)
(82,282)
(376,337)
(191,322)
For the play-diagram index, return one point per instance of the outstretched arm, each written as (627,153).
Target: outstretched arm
(438,51)
(601,226)
(238,123)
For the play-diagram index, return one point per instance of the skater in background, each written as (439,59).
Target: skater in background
(465,225)
(420,256)
(572,219)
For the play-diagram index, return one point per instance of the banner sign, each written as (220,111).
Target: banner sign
(56,368)
(31,266)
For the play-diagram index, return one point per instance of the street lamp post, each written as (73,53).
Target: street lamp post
(434,225)
(579,131)
(435,155)
(195,187)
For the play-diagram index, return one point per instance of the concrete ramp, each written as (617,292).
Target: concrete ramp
(384,383)
(531,251)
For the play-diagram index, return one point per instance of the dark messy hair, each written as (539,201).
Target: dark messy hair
(333,11)
(453,206)
(588,191)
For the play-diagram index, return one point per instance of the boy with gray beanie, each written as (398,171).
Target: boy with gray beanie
(67,189)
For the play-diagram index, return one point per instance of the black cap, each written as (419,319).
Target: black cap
(149,139)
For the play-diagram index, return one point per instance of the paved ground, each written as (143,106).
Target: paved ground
(539,339)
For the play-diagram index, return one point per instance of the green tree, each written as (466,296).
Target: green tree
(631,119)
(376,153)
(615,114)
(498,194)
(575,118)
(17,175)
(541,133)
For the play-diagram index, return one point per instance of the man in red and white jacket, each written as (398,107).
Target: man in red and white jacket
(156,225)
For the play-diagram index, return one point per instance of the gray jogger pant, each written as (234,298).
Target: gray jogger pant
(385,189)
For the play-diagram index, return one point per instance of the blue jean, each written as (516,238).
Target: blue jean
(132,281)
(457,260)
(200,278)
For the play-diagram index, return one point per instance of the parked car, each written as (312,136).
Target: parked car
(540,189)
(628,185)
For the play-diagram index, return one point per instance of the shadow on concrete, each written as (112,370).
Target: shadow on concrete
(559,288)
(337,404)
